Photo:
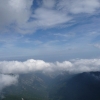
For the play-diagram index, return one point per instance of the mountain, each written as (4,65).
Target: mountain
(30,86)
(39,86)
(84,86)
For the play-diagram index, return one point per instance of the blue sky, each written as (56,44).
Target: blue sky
(51,30)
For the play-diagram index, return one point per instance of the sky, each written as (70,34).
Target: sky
(50,30)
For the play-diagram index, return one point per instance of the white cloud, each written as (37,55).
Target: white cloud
(7,80)
(79,6)
(85,65)
(21,10)
(22,67)
(15,14)
(31,65)
(47,18)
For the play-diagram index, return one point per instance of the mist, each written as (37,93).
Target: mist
(7,80)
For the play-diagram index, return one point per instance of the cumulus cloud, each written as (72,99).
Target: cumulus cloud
(7,80)
(18,15)
(14,12)
(85,65)
(31,65)
(22,67)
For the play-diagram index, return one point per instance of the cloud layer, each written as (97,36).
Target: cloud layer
(31,65)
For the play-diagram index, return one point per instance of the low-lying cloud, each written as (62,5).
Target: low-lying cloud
(7,80)
(31,65)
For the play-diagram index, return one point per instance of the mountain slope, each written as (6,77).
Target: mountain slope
(39,86)
(84,86)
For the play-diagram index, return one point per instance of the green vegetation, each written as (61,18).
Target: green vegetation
(17,97)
